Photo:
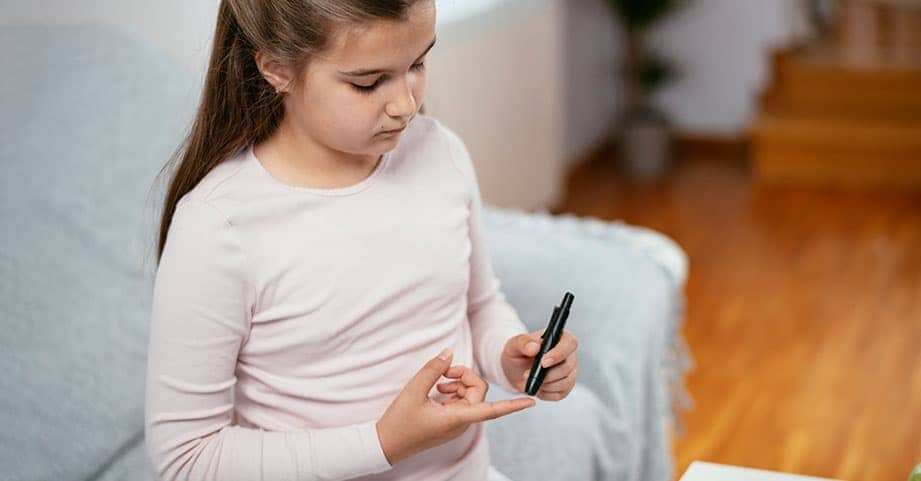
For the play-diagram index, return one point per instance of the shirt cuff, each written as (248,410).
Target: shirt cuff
(371,443)
(347,452)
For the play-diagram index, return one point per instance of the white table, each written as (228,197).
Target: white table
(701,471)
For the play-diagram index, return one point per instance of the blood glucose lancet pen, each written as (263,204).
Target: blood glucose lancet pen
(550,339)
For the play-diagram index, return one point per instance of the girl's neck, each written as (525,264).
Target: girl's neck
(297,159)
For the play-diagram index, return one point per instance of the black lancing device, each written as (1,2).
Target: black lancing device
(549,340)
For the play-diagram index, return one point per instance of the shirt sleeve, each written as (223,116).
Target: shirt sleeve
(200,316)
(493,321)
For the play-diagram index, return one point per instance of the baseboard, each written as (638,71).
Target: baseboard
(713,148)
(686,146)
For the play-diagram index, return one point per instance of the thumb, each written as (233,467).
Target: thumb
(431,372)
(526,344)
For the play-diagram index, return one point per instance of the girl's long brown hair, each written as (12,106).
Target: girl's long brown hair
(238,105)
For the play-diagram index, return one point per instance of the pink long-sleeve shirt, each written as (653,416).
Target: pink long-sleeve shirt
(286,319)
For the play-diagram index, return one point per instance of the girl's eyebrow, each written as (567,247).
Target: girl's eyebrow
(365,72)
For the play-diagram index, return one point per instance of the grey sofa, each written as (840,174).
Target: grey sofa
(89,115)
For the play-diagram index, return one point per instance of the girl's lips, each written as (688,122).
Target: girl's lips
(394,131)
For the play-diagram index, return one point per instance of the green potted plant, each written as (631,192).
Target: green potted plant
(642,132)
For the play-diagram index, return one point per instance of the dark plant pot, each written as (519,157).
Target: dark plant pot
(645,144)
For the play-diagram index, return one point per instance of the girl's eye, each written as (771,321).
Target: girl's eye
(367,89)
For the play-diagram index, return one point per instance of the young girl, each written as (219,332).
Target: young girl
(321,259)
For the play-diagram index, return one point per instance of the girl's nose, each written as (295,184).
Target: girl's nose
(404,104)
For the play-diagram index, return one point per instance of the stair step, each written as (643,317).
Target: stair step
(822,70)
(826,120)
(888,105)
(818,81)
(797,148)
(839,133)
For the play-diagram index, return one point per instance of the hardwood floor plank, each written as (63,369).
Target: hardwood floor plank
(803,315)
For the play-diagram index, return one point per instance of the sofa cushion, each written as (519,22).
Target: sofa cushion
(575,439)
(80,145)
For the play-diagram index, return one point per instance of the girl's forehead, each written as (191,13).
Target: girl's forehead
(382,44)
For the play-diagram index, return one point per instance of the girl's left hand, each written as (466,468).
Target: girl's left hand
(518,357)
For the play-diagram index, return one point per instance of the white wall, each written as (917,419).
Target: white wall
(592,87)
(496,78)
(722,48)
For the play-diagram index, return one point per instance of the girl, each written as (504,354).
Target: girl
(321,242)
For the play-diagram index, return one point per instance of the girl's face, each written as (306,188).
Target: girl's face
(370,80)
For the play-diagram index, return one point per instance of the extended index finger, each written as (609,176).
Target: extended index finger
(491,410)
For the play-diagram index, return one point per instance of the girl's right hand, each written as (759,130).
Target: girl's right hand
(415,422)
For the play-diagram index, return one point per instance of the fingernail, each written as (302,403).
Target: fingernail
(547,361)
(445,354)
(532,345)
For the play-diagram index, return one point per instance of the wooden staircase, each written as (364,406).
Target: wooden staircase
(826,119)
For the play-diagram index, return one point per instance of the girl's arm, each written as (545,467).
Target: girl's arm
(200,317)
(493,321)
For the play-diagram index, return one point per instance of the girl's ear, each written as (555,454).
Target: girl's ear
(274,72)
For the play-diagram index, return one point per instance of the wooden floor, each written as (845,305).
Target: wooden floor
(804,315)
